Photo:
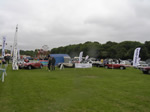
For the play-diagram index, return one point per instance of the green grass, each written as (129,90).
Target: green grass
(75,90)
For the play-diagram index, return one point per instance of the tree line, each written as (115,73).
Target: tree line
(122,50)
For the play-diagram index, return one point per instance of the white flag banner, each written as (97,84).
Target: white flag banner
(83,65)
(18,54)
(11,51)
(80,56)
(3,47)
(136,58)
(86,58)
(15,52)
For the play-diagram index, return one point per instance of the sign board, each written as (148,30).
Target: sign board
(83,65)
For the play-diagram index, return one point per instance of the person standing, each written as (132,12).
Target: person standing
(49,63)
(53,63)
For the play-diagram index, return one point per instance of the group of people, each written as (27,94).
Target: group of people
(51,63)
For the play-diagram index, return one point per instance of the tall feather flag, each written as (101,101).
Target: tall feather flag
(3,47)
(18,54)
(86,58)
(80,56)
(136,58)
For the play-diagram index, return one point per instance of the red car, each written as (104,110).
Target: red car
(31,64)
(120,66)
(146,70)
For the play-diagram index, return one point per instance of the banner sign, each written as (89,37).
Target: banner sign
(18,54)
(11,51)
(15,52)
(3,48)
(136,58)
(86,58)
(83,65)
(80,56)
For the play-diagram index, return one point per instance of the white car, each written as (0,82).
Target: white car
(126,63)
(142,64)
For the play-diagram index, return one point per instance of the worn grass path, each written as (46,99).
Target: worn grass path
(75,90)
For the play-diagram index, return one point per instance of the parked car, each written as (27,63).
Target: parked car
(30,65)
(94,62)
(75,60)
(67,65)
(120,66)
(97,64)
(146,70)
(142,64)
(20,61)
(126,63)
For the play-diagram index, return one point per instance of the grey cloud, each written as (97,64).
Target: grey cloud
(57,23)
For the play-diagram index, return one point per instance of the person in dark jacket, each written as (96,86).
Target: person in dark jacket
(49,63)
(53,63)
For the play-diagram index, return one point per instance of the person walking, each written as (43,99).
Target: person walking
(49,63)
(53,63)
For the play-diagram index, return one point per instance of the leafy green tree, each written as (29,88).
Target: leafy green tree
(122,50)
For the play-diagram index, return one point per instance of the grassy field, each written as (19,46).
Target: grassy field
(75,90)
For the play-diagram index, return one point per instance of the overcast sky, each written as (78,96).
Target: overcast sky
(63,22)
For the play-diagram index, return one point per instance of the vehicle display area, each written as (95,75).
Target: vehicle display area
(30,65)
(115,66)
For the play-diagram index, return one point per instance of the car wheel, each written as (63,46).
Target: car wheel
(29,67)
(149,72)
(121,68)
(145,72)
(106,67)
